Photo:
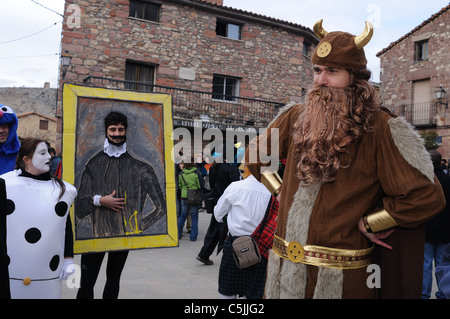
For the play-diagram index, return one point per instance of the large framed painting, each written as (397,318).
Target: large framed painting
(139,171)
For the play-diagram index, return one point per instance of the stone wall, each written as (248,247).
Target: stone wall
(399,70)
(32,105)
(183,46)
(29,126)
(23,100)
(268,59)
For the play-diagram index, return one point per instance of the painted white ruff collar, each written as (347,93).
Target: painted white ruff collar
(114,151)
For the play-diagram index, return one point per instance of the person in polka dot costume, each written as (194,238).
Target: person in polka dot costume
(39,231)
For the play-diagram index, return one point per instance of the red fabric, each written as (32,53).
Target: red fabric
(264,237)
(58,170)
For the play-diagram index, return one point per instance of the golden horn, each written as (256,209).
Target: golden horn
(318,29)
(364,38)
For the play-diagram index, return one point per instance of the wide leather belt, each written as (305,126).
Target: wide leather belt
(322,256)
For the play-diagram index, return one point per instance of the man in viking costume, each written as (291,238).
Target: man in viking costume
(356,177)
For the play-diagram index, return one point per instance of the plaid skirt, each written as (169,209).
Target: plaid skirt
(248,282)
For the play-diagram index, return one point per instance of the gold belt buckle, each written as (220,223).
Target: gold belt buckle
(295,252)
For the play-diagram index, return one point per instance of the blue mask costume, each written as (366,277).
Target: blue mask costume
(9,149)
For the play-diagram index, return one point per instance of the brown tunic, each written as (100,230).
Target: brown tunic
(380,175)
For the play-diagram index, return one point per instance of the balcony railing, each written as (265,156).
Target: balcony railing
(420,114)
(204,106)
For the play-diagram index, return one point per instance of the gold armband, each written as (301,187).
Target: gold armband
(379,221)
(272,181)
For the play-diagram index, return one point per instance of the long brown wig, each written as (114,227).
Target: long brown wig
(333,118)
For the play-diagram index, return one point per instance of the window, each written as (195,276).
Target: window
(43,125)
(139,72)
(144,10)
(421,48)
(306,47)
(229,30)
(225,88)
(421,112)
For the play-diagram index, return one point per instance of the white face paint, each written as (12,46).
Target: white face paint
(41,158)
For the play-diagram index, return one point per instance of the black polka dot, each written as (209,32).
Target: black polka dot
(10,207)
(33,235)
(61,209)
(54,263)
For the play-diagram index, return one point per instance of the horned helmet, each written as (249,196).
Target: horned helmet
(341,49)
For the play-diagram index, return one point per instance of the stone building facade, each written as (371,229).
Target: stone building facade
(23,100)
(33,124)
(36,110)
(413,68)
(189,44)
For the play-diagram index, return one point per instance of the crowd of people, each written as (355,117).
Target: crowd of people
(355,187)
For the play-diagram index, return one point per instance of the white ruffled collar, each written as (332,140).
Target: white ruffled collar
(113,150)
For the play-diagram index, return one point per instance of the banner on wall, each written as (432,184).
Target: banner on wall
(141,173)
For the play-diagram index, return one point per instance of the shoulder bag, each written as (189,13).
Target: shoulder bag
(245,252)
(245,249)
(194,196)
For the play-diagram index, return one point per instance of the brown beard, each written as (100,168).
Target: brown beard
(331,121)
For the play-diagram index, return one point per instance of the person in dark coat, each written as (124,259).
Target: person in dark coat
(4,259)
(437,232)
(221,174)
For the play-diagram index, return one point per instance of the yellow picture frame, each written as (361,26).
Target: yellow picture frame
(71,97)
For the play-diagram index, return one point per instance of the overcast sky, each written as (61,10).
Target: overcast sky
(30,36)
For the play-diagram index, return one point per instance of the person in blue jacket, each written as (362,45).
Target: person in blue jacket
(9,142)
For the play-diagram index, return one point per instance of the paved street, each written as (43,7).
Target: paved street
(165,273)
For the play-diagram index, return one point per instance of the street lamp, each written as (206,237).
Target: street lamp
(440,95)
(65,62)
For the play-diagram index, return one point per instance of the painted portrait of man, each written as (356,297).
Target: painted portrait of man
(121,169)
(120,193)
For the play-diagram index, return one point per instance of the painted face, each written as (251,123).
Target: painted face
(41,159)
(116,134)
